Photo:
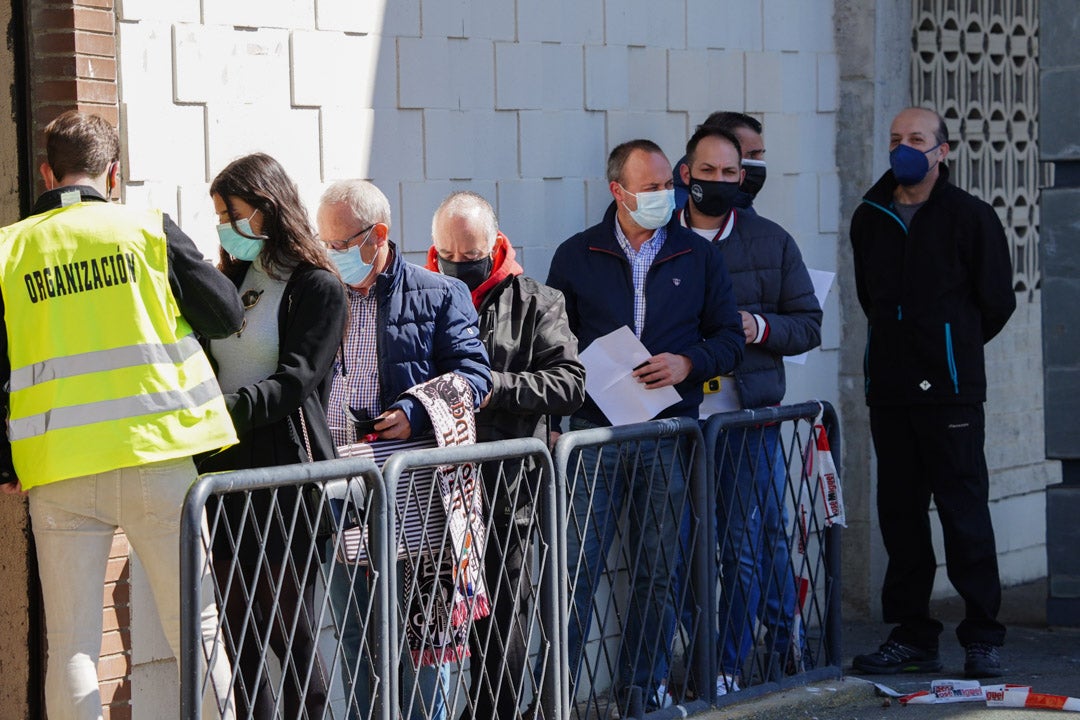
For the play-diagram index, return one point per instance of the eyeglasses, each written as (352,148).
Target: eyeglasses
(344,244)
(251,298)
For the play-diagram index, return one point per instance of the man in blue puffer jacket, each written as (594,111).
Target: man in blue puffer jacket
(406,326)
(641,269)
(780,316)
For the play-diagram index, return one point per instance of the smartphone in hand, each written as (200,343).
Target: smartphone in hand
(363,424)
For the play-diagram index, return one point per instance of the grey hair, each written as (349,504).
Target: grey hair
(467,203)
(367,202)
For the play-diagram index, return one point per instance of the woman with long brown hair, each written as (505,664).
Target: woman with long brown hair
(275,374)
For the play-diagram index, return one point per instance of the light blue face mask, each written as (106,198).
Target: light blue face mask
(240,247)
(350,263)
(653,208)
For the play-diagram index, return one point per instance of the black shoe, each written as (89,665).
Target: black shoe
(534,711)
(894,657)
(981,661)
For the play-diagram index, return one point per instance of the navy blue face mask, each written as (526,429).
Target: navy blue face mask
(909,166)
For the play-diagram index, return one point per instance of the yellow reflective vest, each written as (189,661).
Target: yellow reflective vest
(105,372)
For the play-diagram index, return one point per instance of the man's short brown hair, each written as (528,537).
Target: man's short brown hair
(78,143)
(618,157)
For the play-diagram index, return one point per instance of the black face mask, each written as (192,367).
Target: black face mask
(755,177)
(471,272)
(714,198)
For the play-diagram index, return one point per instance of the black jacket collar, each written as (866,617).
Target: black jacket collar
(50,199)
(882,191)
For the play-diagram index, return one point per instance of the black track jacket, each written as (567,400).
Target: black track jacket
(933,294)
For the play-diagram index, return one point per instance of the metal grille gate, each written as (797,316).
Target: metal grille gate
(645,571)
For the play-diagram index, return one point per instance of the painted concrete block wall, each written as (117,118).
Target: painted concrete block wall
(520,102)
(466,93)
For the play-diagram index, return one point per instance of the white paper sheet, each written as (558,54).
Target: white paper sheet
(822,280)
(609,362)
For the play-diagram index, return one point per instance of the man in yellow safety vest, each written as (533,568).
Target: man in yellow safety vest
(107,395)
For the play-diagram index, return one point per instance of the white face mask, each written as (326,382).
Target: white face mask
(653,208)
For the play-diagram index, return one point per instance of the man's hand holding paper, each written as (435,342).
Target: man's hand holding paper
(627,383)
(662,370)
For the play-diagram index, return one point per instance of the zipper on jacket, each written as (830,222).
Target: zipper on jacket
(888,212)
(951,358)
(866,362)
(894,216)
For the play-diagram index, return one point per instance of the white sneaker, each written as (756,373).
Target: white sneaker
(725,684)
(662,699)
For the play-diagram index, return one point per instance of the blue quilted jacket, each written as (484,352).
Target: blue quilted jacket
(427,326)
(770,279)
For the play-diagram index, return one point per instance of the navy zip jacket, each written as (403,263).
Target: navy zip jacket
(933,294)
(690,307)
(769,279)
(426,326)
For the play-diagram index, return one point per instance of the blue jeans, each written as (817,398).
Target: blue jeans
(655,485)
(424,690)
(757,580)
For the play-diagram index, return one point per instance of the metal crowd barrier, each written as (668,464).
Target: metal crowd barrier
(604,590)
(294,506)
(629,489)
(754,612)
(778,562)
(417,651)
(485,673)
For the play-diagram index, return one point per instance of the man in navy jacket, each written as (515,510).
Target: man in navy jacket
(780,316)
(641,269)
(749,132)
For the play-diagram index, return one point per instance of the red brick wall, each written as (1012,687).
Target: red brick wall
(72,63)
(73,66)
(115,665)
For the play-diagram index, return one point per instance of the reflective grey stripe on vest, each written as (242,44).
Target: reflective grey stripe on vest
(101,360)
(108,410)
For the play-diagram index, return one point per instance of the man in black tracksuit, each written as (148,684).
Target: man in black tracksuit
(934,278)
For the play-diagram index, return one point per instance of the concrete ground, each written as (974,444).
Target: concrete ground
(1047,659)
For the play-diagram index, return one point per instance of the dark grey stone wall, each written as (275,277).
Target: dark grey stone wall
(1059,143)
(873,41)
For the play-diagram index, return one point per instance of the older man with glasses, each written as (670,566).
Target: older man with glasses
(406,326)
